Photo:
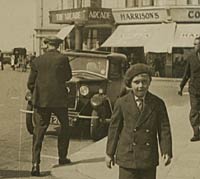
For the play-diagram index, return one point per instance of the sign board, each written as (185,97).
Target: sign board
(83,15)
(140,16)
(185,14)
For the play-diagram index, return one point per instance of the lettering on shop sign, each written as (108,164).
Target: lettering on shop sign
(194,14)
(68,16)
(99,15)
(190,35)
(139,16)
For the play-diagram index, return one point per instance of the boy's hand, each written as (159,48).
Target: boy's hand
(109,161)
(166,159)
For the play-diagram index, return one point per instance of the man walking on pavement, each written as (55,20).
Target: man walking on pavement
(1,60)
(192,72)
(46,81)
(139,117)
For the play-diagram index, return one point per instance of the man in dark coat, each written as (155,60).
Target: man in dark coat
(1,60)
(47,78)
(192,72)
(138,121)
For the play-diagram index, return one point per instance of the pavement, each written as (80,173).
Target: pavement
(89,163)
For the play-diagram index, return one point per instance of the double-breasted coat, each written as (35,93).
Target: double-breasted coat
(133,135)
(47,78)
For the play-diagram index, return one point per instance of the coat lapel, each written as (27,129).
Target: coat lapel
(148,109)
(130,105)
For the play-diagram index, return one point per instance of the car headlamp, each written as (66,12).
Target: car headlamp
(84,90)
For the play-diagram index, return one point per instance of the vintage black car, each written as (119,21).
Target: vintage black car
(94,87)
(92,91)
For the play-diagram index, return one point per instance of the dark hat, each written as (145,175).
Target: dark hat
(135,70)
(52,40)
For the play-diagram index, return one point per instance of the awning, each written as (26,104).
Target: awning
(153,37)
(185,35)
(64,32)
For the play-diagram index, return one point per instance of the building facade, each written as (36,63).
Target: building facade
(92,21)
(158,32)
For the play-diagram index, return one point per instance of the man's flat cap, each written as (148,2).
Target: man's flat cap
(52,40)
(135,70)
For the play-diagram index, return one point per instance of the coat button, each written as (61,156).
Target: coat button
(134,130)
(134,144)
(147,144)
(147,130)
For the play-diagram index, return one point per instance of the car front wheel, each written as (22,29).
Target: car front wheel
(98,128)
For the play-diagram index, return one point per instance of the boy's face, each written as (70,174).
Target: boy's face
(140,84)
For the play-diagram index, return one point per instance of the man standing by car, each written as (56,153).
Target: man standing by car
(1,60)
(138,122)
(46,81)
(192,72)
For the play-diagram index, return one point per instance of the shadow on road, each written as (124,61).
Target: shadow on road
(20,174)
(78,132)
(91,160)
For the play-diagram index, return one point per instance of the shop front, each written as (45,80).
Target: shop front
(86,28)
(187,29)
(160,37)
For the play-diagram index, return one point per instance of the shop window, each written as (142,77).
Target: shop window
(147,3)
(179,61)
(193,2)
(132,3)
(85,3)
(158,63)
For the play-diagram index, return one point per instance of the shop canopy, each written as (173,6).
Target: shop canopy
(64,32)
(185,35)
(153,37)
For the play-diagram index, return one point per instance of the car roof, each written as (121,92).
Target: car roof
(97,54)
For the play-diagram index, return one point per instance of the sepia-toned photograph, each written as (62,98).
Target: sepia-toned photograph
(100,89)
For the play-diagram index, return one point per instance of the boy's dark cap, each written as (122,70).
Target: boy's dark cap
(52,40)
(135,70)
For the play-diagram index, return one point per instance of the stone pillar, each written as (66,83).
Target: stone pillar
(78,37)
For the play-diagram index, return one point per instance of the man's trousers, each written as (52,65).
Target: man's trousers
(195,114)
(42,120)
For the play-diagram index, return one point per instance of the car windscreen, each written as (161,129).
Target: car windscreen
(89,64)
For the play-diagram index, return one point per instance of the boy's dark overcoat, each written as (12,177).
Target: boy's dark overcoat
(134,136)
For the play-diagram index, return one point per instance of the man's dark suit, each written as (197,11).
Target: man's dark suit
(133,135)
(192,72)
(47,78)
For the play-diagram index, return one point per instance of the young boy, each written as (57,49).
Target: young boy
(138,122)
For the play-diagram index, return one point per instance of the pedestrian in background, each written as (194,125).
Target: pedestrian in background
(32,58)
(192,72)
(1,60)
(46,81)
(138,122)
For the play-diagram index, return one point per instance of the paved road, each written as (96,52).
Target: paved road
(15,141)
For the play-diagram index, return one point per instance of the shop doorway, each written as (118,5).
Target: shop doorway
(134,54)
(179,61)
(158,63)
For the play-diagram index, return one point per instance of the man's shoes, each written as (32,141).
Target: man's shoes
(194,139)
(35,170)
(64,161)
